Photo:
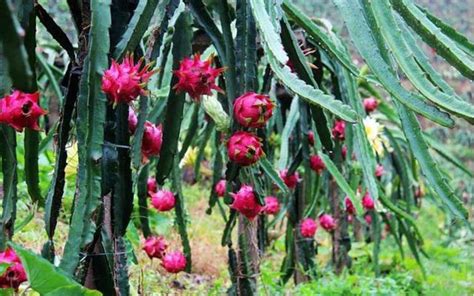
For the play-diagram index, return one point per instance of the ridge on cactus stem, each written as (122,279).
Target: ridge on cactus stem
(308,227)
(15,273)
(220,188)
(253,110)
(21,110)
(370,105)
(350,209)
(316,164)
(155,247)
(368,202)
(197,77)
(245,202)
(292,180)
(132,120)
(244,148)
(339,130)
(163,200)
(152,140)
(272,206)
(379,171)
(327,222)
(151,185)
(124,82)
(311,138)
(174,262)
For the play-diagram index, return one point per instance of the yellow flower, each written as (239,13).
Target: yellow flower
(72,160)
(374,132)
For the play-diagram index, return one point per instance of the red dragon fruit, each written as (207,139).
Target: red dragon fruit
(379,171)
(21,110)
(253,110)
(245,202)
(152,140)
(220,188)
(292,180)
(308,227)
(174,262)
(244,148)
(338,130)
(132,121)
(350,209)
(368,202)
(155,247)
(124,82)
(197,77)
(311,138)
(316,163)
(15,273)
(370,105)
(151,185)
(344,152)
(327,222)
(272,206)
(368,219)
(163,200)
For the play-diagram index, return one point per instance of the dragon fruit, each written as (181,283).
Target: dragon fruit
(152,140)
(163,200)
(316,164)
(253,110)
(327,222)
(245,202)
(308,227)
(244,148)
(155,247)
(174,262)
(197,77)
(21,110)
(272,206)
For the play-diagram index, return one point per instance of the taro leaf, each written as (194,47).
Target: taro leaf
(45,278)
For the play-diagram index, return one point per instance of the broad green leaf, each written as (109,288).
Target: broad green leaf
(44,277)
(366,43)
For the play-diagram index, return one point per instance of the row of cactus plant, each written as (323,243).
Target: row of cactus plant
(295,128)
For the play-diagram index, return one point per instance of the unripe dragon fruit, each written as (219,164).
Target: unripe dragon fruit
(21,110)
(155,247)
(245,202)
(339,129)
(197,77)
(379,171)
(316,164)
(272,206)
(132,121)
(163,200)
(370,105)
(350,209)
(151,185)
(253,110)
(368,202)
(308,227)
(220,188)
(123,83)
(174,262)
(327,222)
(152,140)
(244,148)
(292,180)
(15,273)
